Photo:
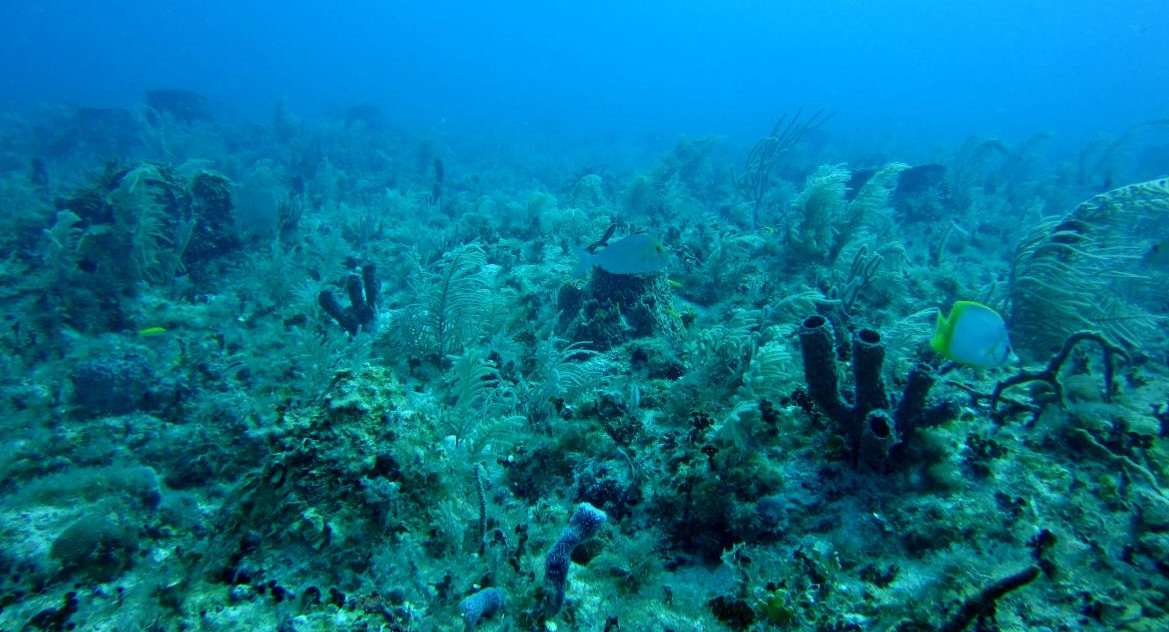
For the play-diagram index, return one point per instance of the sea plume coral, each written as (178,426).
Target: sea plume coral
(825,219)
(452,297)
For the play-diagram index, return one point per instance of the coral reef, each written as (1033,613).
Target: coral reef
(339,375)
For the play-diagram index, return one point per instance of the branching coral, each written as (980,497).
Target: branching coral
(1050,373)
(756,179)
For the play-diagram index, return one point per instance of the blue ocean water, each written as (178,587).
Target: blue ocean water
(578,315)
(925,71)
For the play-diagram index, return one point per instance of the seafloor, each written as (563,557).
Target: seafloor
(343,376)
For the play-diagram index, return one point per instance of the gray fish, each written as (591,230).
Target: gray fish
(636,254)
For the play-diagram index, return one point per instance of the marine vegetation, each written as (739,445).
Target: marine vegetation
(341,375)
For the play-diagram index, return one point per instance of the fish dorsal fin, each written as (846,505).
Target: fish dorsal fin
(943,331)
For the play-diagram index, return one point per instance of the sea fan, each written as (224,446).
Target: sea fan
(1083,271)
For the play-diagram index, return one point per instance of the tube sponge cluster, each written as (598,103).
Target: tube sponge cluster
(586,520)
(363,298)
(871,429)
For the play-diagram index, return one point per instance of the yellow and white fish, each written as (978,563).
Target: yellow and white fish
(973,334)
